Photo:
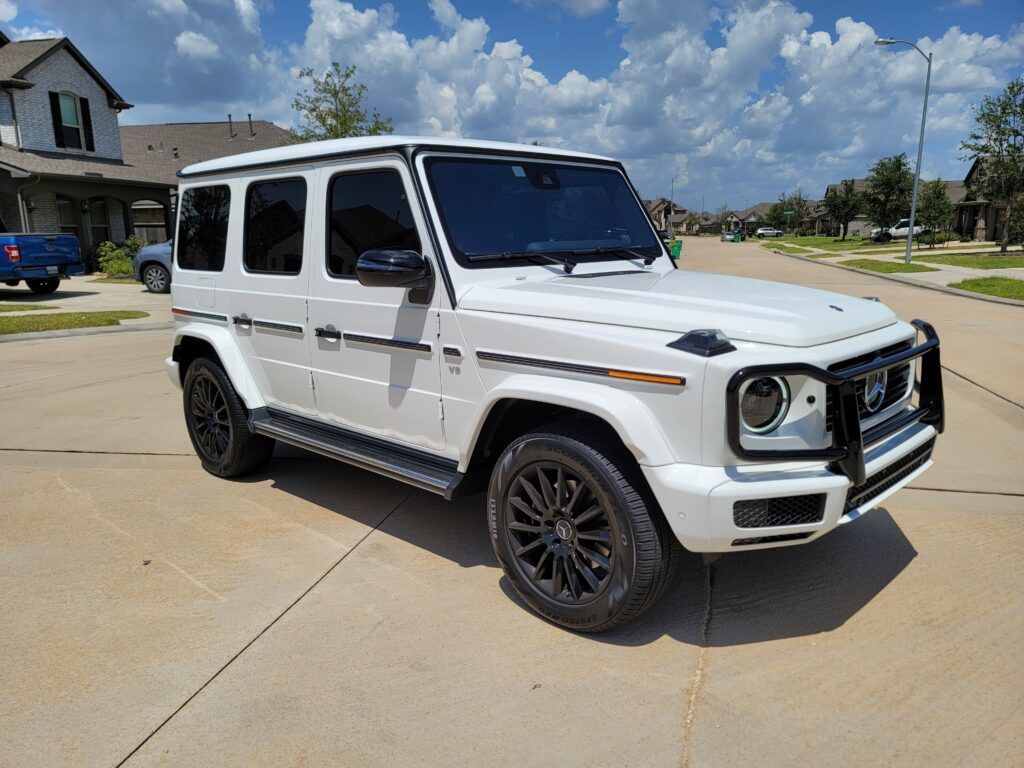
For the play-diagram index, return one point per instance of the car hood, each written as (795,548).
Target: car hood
(681,300)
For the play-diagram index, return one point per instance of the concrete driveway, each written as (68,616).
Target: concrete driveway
(84,294)
(319,615)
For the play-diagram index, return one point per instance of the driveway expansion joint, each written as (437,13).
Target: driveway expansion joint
(699,677)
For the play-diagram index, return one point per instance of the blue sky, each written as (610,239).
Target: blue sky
(738,99)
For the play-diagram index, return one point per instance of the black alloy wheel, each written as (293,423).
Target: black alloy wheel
(563,537)
(575,528)
(218,422)
(209,413)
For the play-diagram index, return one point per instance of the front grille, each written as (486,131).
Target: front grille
(767,539)
(896,387)
(885,479)
(782,510)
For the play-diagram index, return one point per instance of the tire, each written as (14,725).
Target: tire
(44,285)
(156,278)
(218,424)
(885,237)
(614,562)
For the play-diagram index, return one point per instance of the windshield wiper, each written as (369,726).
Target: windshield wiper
(565,264)
(615,250)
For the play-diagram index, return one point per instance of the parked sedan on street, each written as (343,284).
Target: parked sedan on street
(768,232)
(153,266)
(730,235)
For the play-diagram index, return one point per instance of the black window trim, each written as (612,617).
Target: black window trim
(429,156)
(245,224)
(177,226)
(329,202)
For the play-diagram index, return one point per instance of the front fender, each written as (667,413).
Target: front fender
(230,357)
(625,413)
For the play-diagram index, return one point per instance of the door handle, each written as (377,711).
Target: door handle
(327,333)
(241,320)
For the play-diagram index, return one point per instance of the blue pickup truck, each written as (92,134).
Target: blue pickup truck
(41,260)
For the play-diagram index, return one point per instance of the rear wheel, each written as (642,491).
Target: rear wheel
(44,285)
(156,278)
(574,529)
(218,423)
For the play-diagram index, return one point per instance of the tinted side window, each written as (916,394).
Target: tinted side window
(203,228)
(367,210)
(275,216)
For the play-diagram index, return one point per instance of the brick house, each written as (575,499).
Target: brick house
(663,211)
(61,164)
(975,217)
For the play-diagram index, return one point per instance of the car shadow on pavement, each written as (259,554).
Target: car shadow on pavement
(754,596)
(25,296)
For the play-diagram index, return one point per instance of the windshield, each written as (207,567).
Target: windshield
(580,213)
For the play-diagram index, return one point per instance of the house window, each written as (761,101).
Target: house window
(71,120)
(99,224)
(67,222)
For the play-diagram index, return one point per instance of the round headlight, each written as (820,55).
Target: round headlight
(764,404)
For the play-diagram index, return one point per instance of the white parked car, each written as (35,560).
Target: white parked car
(768,232)
(471,316)
(899,232)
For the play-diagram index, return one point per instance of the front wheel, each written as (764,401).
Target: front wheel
(156,278)
(218,423)
(43,286)
(574,529)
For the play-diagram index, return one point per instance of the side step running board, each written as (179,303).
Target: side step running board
(419,468)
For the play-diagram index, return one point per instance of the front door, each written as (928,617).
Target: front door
(267,294)
(375,360)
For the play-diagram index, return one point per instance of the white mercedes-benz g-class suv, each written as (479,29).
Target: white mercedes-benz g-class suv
(471,316)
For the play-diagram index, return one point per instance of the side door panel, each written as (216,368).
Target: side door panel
(376,364)
(269,284)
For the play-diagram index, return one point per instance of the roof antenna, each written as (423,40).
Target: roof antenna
(231,128)
(252,133)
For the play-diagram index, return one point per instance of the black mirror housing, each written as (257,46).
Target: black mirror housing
(385,267)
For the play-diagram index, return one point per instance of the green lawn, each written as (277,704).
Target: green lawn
(824,243)
(886,266)
(25,307)
(975,260)
(788,248)
(117,280)
(61,320)
(1004,287)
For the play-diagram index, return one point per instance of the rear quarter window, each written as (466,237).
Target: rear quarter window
(203,228)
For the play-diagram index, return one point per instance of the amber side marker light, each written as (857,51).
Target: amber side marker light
(646,377)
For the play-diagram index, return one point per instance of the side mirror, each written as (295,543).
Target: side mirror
(393,268)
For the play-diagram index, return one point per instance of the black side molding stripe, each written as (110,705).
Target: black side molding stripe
(384,341)
(199,315)
(277,326)
(591,370)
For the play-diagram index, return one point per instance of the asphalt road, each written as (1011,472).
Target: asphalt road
(317,614)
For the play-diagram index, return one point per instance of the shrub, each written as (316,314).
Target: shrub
(115,260)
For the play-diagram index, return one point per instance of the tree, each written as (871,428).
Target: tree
(886,197)
(934,210)
(775,216)
(692,222)
(722,215)
(788,201)
(998,141)
(842,205)
(333,107)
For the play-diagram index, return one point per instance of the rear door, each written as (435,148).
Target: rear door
(376,362)
(268,282)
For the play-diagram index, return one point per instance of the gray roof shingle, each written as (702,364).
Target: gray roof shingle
(18,56)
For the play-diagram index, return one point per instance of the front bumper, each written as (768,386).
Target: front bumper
(700,502)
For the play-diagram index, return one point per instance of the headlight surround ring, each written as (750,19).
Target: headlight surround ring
(765,408)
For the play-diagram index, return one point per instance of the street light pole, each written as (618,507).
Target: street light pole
(920,139)
(672,200)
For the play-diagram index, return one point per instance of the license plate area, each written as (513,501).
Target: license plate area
(52,270)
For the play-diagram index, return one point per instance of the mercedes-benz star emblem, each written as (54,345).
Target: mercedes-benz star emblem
(874,390)
(564,529)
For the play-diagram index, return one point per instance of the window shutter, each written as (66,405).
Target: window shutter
(58,130)
(83,104)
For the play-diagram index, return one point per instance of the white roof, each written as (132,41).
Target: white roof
(294,153)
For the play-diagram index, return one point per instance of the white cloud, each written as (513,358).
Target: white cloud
(169,7)
(248,14)
(196,45)
(35,33)
(8,11)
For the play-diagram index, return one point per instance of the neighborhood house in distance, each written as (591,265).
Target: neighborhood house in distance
(66,165)
(974,217)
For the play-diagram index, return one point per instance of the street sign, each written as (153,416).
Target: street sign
(788,213)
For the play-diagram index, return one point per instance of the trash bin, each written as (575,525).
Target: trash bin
(737,238)
(676,249)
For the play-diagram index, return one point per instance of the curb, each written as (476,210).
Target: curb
(906,281)
(40,335)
